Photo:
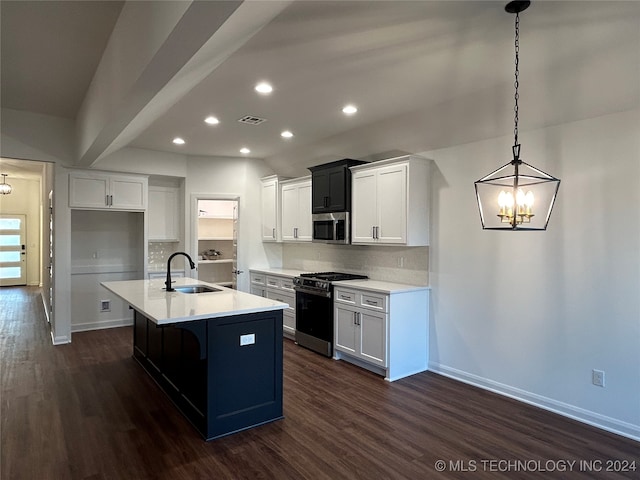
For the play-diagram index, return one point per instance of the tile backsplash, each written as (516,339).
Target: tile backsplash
(159,253)
(394,264)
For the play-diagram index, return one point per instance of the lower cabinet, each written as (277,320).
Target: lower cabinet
(362,334)
(385,332)
(279,288)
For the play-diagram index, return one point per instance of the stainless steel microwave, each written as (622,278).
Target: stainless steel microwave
(331,227)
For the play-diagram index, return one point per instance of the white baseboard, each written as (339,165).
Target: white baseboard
(576,413)
(45,307)
(84,327)
(60,340)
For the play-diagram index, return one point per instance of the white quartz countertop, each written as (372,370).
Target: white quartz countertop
(380,286)
(150,298)
(279,271)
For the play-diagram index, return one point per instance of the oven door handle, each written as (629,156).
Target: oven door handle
(310,291)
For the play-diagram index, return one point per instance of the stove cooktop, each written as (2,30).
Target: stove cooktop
(334,276)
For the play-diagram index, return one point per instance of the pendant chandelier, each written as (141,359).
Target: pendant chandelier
(5,188)
(516,196)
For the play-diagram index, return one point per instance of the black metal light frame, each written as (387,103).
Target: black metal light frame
(516,175)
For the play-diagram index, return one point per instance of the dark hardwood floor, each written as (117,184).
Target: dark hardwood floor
(88,411)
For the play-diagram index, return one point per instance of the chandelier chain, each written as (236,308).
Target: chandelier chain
(516,82)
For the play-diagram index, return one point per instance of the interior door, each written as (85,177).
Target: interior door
(13,253)
(234,269)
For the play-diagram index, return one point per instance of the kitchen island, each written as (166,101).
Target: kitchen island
(217,355)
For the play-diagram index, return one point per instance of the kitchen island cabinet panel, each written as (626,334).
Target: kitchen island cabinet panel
(224,374)
(248,371)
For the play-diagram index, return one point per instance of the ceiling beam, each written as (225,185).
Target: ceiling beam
(158,51)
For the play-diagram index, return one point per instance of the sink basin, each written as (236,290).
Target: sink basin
(196,289)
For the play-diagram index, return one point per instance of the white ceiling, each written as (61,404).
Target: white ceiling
(393,59)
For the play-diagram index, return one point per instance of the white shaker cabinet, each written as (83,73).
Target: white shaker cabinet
(296,210)
(382,327)
(92,190)
(361,334)
(279,288)
(390,202)
(270,204)
(163,214)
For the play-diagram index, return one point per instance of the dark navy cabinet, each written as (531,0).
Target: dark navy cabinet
(331,186)
(224,374)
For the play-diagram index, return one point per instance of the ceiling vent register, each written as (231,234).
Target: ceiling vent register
(251,120)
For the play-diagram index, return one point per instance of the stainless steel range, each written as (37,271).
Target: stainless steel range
(314,309)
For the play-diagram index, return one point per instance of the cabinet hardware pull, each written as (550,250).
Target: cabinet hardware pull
(371,302)
(295,232)
(274,233)
(344,297)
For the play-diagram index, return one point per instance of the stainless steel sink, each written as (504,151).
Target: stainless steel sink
(196,289)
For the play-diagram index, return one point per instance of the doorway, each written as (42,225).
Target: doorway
(13,251)
(216,239)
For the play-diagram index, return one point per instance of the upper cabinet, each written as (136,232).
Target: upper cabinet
(331,190)
(163,214)
(390,202)
(270,198)
(296,210)
(91,190)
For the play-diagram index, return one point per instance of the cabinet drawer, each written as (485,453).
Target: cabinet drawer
(344,296)
(283,297)
(373,301)
(258,279)
(287,284)
(273,282)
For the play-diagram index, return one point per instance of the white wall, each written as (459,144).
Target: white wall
(25,200)
(530,314)
(33,136)
(105,246)
(233,177)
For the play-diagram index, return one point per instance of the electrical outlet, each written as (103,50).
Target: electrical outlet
(597,378)
(105,305)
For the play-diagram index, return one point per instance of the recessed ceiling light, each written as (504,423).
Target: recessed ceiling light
(245,150)
(349,109)
(178,141)
(211,120)
(264,88)
(286,134)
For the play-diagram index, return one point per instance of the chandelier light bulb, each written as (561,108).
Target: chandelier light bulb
(502,200)
(508,200)
(528,201)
